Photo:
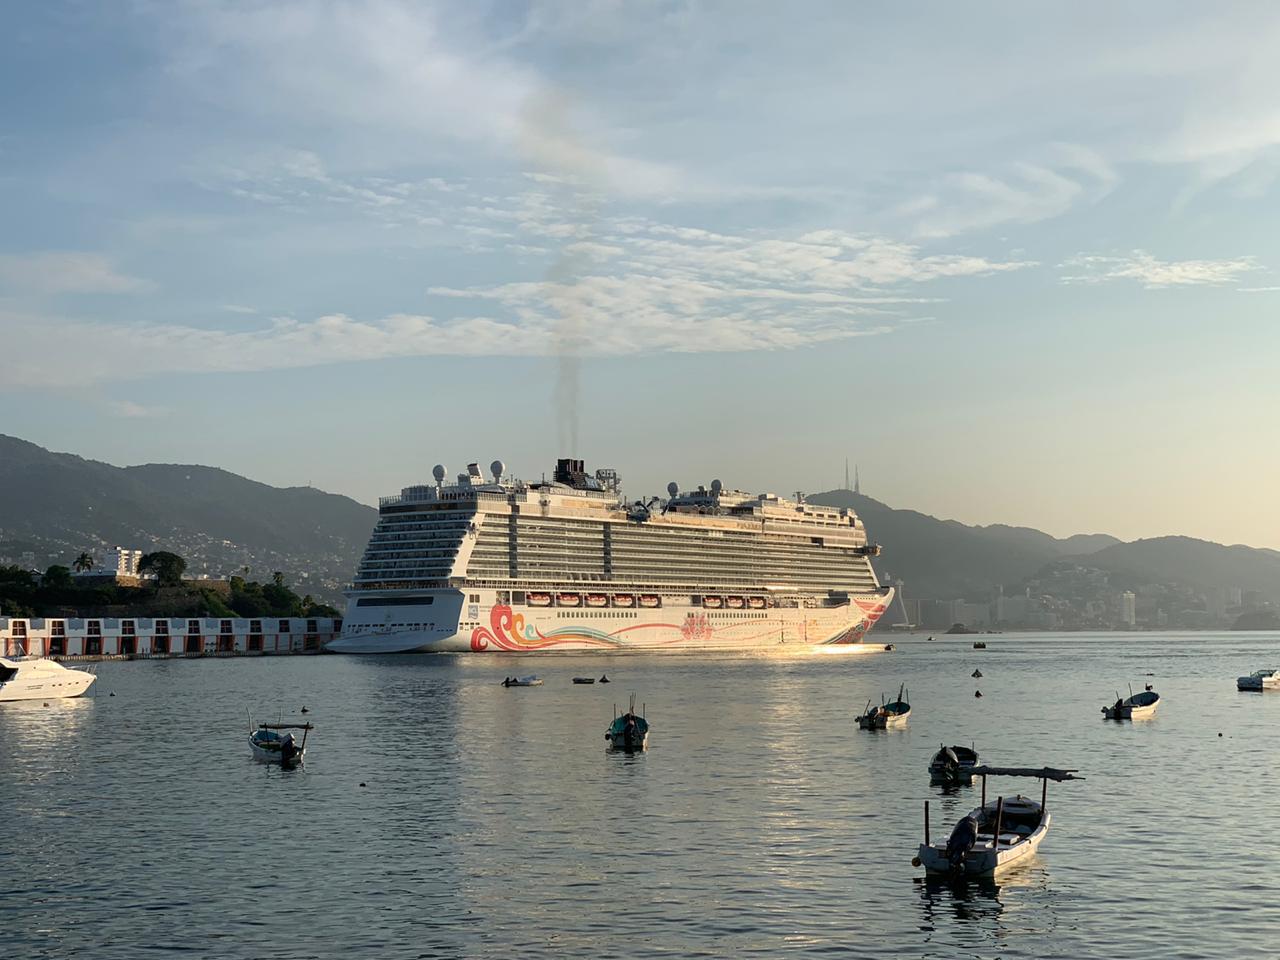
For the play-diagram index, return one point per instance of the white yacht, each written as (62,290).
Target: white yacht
(569,564)
(35,678)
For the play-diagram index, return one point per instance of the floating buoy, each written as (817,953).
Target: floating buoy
(1219,734)
(916,861)
(977,693)
(976,673)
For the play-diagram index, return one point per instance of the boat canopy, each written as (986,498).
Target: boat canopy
(1040,773)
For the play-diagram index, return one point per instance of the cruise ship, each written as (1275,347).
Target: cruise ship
(497,564)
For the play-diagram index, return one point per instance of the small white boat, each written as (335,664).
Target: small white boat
(269,745)
(893,714)
(529,681)
(629,731)
(952,766)
(37,678)
(1260,680)
(1133,707)
(995,835)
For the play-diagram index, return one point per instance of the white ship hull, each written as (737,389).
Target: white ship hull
(490,626)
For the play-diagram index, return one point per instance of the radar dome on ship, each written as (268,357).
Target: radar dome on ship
(673,488)
(439,472)
(716,487)
(497,468)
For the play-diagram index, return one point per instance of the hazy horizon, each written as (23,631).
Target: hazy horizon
(1018,264)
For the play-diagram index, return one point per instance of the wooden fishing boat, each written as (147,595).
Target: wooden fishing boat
(1259,680)
(952,766)
(269,745)
(1133,707)
(993,836)
(628,731)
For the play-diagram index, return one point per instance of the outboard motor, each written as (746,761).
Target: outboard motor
(288,751)
(961,841)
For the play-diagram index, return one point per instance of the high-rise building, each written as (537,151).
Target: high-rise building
(1128,609)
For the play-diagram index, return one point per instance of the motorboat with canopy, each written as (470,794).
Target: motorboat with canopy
(995,835)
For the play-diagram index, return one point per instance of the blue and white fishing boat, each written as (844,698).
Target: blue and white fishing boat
(629,731)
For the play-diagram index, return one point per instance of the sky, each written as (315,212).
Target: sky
(1016,262)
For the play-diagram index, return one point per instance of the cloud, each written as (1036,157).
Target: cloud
(1023,192)
(64,272)
(130,409)
(1258,289)
(1152,273)
(641,288)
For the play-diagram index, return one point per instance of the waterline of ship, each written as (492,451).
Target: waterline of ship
(568,564)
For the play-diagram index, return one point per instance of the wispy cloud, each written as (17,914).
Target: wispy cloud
(1022,192)
(57,272)
(1143,268)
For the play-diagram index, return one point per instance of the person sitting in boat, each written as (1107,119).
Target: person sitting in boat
(288,750)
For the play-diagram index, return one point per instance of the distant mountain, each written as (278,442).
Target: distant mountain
(945,559)
(1198,564)
(56,505)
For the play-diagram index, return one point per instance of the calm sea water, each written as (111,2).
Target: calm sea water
(492,823)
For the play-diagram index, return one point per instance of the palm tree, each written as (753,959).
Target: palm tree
(83,563)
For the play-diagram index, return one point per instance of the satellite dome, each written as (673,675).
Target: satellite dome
(673,488)
(497,468)
(716,487)
(439,472)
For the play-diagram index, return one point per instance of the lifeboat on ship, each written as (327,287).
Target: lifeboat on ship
(650,600)
(597,600)
(734,603)
(712,603)
(755,603)
(538,599)
(623,600)
(568,600)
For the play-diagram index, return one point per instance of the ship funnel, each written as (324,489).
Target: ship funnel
(473,470)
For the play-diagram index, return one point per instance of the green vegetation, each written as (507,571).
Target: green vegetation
(168,567)
(56,594)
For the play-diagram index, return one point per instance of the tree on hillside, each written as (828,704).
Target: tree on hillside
(57,576)
(83,563)
(168,567)
(277,579)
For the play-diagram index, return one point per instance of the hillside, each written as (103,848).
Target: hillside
(946,559)
(1197,564)
(56,504)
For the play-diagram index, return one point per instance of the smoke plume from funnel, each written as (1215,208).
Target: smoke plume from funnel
(549,141)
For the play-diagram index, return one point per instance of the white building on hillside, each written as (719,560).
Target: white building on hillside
(115,562)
